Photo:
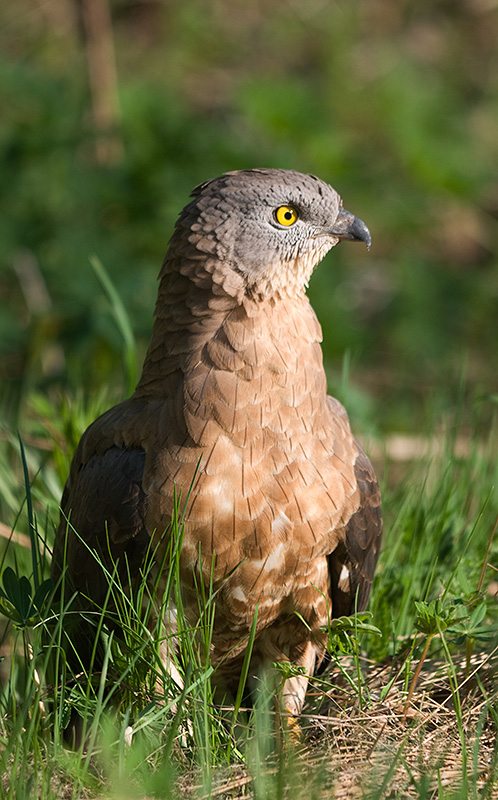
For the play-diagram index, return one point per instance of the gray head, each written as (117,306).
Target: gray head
(270,227)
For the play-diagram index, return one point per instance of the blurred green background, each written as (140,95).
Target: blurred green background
(394,103)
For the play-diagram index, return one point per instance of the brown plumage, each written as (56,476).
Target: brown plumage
(285,506)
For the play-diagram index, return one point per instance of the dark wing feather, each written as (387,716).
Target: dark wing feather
(352,564)
(102,511)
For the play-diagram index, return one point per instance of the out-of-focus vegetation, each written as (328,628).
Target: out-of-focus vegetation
(395,104)
(106,125)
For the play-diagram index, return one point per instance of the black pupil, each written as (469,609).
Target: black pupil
(288,215)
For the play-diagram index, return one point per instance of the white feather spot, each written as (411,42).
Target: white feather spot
(344,576)
(280,524)
(238,594)
(274,560)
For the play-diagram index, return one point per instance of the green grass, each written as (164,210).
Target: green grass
(146,736)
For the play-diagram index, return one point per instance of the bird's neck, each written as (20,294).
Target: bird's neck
(198,331)
(186,317)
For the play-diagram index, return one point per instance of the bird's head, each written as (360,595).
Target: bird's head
(267,229)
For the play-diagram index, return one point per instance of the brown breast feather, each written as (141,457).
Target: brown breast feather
(276,479)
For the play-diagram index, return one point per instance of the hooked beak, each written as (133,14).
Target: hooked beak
(347,226)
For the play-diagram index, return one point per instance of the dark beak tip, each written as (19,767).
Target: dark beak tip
(347,226)
(360,232)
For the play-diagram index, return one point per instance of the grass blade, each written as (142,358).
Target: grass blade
(122,321)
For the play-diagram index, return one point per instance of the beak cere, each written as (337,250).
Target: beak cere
(347,226)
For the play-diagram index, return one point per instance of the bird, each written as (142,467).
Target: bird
(282,518)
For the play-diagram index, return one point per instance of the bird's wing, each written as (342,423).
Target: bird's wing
(352,563)
(102,518)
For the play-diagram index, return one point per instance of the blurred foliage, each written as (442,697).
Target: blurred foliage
(395,104)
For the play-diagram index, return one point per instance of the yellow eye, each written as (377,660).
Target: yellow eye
(286,215)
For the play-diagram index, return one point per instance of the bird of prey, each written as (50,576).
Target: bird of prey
(283,515)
